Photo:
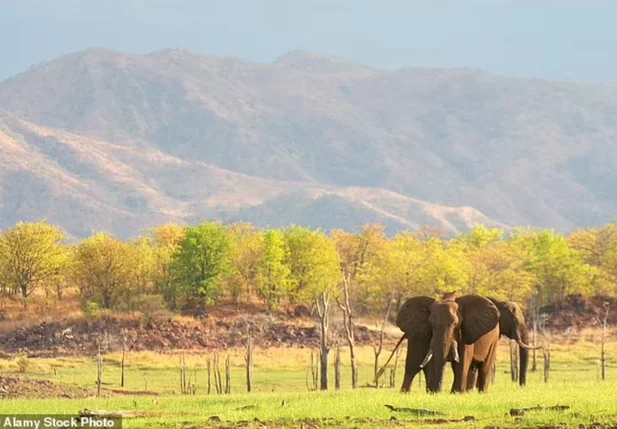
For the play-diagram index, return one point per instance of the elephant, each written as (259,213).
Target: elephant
(512,325)
(462,330)
(418,341)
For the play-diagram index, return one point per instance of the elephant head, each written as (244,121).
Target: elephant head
(444,325)
(512,325)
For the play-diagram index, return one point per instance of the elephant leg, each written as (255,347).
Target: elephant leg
(472,377)
(412,365)
(486,369)
(410,374)
(461,368)
(427,375)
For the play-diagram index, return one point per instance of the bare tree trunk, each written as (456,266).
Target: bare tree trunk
(209,367)
(337,368)
(604,324)
(249,363)
(183,389)
(534,322)
(377,350)
(227,376)
(547,363)
(122,380)
(323,303)
(349,331)
(218,382)
(393,370)
(99,371)
(513,361)
(546,352)
(314,372)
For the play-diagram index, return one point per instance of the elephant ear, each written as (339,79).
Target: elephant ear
(479,317)
(507,317)
(413,317)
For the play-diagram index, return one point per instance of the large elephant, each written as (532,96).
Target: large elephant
(463,330)
(512,325)
(418,335)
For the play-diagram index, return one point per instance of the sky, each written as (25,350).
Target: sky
(549,39)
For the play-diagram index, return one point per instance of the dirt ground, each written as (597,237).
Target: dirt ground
(22,387)
(227,327)
(579,312)
(81,337)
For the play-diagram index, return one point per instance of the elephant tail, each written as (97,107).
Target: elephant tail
(383,368)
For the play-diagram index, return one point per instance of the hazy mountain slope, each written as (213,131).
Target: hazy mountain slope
(86,185)
(173,135)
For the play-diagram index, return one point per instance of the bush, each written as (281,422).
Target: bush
(23,363)
(152,308)
(91,309)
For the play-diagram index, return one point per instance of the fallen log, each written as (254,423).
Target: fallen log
(522,411)
(121,414)
(416,411)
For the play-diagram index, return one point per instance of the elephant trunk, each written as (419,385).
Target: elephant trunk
(441,348)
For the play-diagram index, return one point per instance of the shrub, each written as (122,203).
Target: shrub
(152,308)
(23,363)
(91,309)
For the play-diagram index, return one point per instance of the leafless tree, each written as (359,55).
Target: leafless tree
(377,349)
(604,323)
(249,361)
(513,361)
(349,331)
(322,303)
(337,368)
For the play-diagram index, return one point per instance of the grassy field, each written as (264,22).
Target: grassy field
(281,397)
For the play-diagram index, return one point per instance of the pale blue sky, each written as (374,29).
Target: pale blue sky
(556,39)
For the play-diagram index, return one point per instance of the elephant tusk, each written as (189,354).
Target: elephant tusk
(428,357)
(525,346)
(455,354)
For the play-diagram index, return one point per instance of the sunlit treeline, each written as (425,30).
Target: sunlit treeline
(190,269)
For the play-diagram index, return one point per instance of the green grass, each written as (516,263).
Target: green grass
(280,374)
(590,402)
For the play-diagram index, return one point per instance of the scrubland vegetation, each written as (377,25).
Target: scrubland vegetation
(193,273)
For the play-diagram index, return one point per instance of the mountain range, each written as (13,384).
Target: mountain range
(102,140)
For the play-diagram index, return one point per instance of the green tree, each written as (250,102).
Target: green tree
(145,258)
(481,236)
(31,254)
(315,274)
(598,248)
(313,261)
(362,259)
(444,268)
(559,269)
(165,241)
(247,246)
(274,276)
(202,259)
(405,263)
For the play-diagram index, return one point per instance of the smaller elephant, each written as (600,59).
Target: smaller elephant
(512,325)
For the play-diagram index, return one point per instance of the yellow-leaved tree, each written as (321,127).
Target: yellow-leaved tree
(315,274)
(247,246)
(165,242)
(31,255)
(105,270)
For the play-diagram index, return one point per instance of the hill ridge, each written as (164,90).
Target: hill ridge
(224,138)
